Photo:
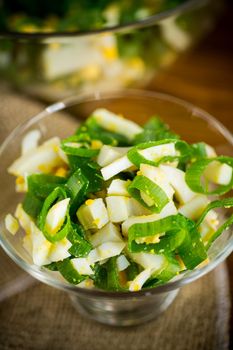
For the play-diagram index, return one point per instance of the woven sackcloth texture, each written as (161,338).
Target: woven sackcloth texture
(42,317)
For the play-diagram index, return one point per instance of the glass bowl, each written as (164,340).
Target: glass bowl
(61,119)
(52,65)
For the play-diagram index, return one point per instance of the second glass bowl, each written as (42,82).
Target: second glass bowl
(52,64)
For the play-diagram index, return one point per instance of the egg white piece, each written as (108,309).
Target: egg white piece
(30,141)
(169,209)
(116,167)
(42,159)
(56,216)
(59,250)
(117,207)
(108,154)
(82,266)
(176,178)
(11,224)
(194,208)
(155,153)
(40,247)
(93,214)
(155,262)
(122,263)
(105,251)
(108,233)
(115,123)
(218,173)
(118,188)
(158,176)
(139,280)
(24,219)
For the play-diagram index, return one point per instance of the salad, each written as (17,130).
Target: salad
(117,206)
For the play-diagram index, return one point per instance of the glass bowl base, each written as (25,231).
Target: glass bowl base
(124,312)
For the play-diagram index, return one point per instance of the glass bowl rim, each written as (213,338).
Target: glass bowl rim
(88,97)
(146,22)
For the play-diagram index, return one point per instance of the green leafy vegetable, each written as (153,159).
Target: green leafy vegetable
(149,188)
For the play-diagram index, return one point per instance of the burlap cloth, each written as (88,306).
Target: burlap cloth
(41,317)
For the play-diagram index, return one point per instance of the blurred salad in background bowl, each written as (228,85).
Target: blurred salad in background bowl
(50,50)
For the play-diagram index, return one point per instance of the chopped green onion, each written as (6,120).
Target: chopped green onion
(72,146)
(171,270)
(80,246)
(52,266)
(194,174)
(67,270)
(132,270)
(192,250)
(58,194)
(199,150)
(190,246)
(154,130)
(107,276)
(136,158)
(32,205)
(221,203)
(152,190)
(41,185)
(77,186)
(90,130)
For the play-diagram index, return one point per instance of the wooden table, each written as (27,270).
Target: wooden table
(205,78)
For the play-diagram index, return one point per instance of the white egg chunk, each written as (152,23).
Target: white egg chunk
(105,251)
(210,151)
(108,154)
(93,214)
(59,250)
(62,155)
(116,123)
(117,207)
(122,263)
(218,173)
(176,178)
(118,188)
(40,247)
(56,216)
(194,208)
(150,239)
(158,176)
(42,159)
(30,141)
(21,184)
(174,35)
(155,262)
(23,218)
(146,198)
(108,233)
(11,224)
(155,153)
(116,167)
(139,280)
(135,208)
(87,283)
(82,266)
(209,225)
(27,243)
(169,209)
